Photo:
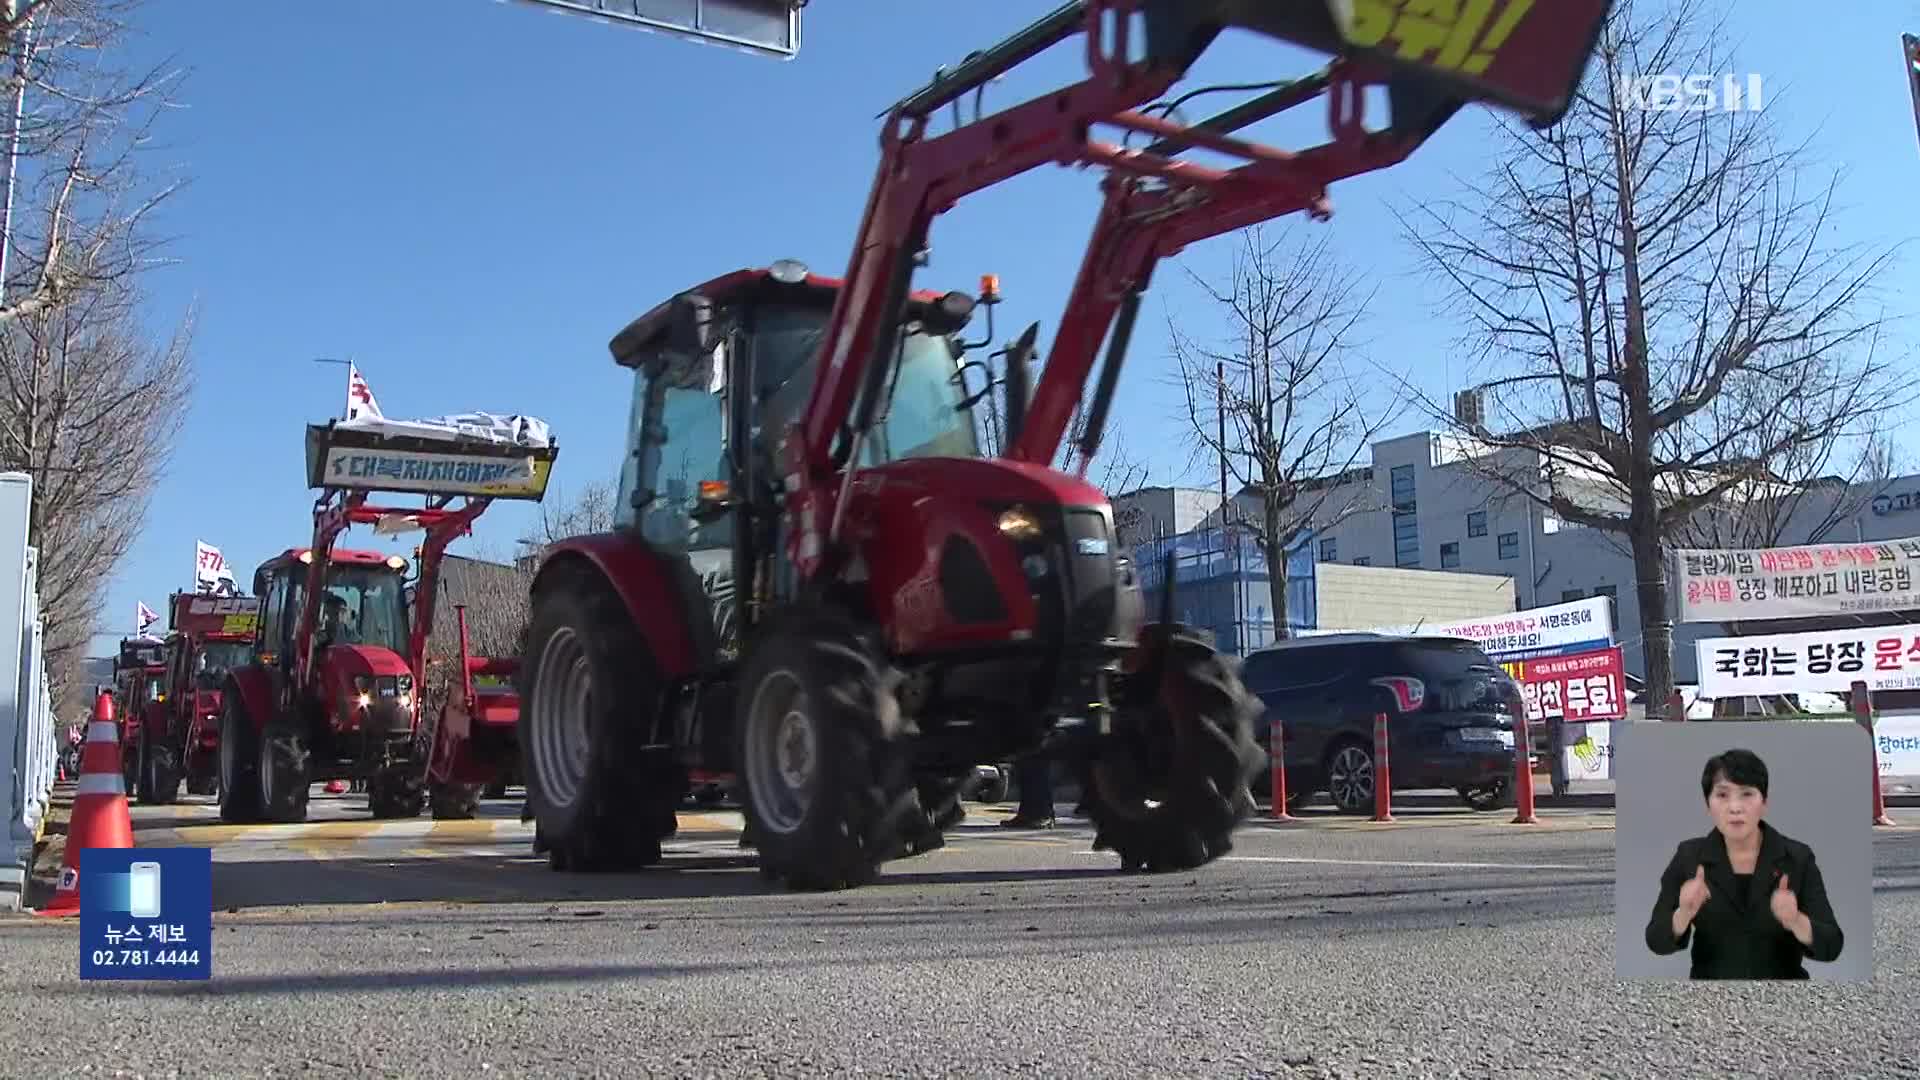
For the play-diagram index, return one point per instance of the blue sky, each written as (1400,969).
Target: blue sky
(469,197)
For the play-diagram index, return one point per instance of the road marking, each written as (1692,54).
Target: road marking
(1401,864)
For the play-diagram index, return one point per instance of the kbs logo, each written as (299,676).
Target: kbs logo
(1694,93)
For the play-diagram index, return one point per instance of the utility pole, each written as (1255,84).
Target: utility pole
(1910,47)
(1228,548)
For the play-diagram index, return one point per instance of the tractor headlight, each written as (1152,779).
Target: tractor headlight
(1019,525)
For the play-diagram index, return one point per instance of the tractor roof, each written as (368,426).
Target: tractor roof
(340,555)
(738,283)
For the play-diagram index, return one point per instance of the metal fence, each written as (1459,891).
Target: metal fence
(28,752)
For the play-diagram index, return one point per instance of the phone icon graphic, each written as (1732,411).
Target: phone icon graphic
(144,892)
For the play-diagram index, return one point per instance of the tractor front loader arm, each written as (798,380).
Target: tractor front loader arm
(1521,54)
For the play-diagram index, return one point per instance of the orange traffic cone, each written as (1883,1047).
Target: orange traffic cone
(100,817)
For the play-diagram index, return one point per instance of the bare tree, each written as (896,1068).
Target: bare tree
(1674,323)
(89,409)
(589,511)
(89,402)
(78,197)
(1271,401)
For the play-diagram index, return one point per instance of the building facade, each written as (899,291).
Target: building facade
(1430,501)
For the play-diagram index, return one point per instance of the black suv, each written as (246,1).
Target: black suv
(1450,712)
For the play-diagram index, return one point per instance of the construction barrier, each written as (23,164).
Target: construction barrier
(1862,702)
(101,818)
(29,754)
(1277,762)
(1382,771)
(1523,769)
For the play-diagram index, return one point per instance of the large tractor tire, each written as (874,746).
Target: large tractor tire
(820,750)
(239,764)
(159,771)
(588,690)
(284,774)
(454,802)
(1169,786)
(395,792)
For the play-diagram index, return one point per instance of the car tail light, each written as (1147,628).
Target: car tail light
(1408,694)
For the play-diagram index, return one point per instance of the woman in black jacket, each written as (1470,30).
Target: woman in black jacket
(1750,899)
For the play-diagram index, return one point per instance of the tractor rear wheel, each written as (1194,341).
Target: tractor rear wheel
(820,751)
(239,763)
(1171,784)
(589,691)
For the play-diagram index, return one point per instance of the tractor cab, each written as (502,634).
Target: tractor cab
(765,327)
(363,613)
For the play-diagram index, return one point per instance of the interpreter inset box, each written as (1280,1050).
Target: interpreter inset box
(1744,850)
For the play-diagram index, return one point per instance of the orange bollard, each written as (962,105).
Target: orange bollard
(1522,768)
(1277,787)
(1382,771)
(1863,712)
(100,817)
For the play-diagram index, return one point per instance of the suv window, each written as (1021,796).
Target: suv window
(1293,667)
(1459,676)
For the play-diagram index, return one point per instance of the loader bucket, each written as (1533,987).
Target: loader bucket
(1526,55)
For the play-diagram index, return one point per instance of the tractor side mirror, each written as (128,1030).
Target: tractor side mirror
(950,315)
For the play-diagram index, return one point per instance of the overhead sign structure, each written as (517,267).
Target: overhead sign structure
(759,27)
(1824,661)
(1798,582)
(1579,688)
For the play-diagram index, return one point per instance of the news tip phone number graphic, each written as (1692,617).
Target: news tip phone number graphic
(146,914)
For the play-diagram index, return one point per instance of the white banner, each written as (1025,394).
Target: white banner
(1829,661)
(1573,627)
(1896,739)
(1797,582)
(210,569)
(440,474)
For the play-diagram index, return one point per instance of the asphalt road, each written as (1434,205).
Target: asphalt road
(1450,944)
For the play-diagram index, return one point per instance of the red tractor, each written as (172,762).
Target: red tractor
(139,681)
(334,689)
(819,585)
(179,736)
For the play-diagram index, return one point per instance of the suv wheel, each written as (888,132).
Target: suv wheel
(1350,777)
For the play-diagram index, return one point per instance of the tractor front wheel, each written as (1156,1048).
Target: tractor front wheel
(589,690)
(284,783)
(819,741)
(159,772)
(1170,784)
(239,763)
(395,792)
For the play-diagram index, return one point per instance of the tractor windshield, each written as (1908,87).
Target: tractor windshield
(364,606)
(216,659)
(922,419)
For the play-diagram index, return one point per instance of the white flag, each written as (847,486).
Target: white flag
(144,617)
(360,401)
(210,569)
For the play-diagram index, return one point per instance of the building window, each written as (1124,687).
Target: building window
(1363,561)
(1510,545)
(1450,555)
(1406,540)
(1568,596)
(1403,499)
(1608,591)
(1477,523)
(1328,551)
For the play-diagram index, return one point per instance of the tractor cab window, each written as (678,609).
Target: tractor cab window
(921,419)
(363,606)
(216,659)
(155,686)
